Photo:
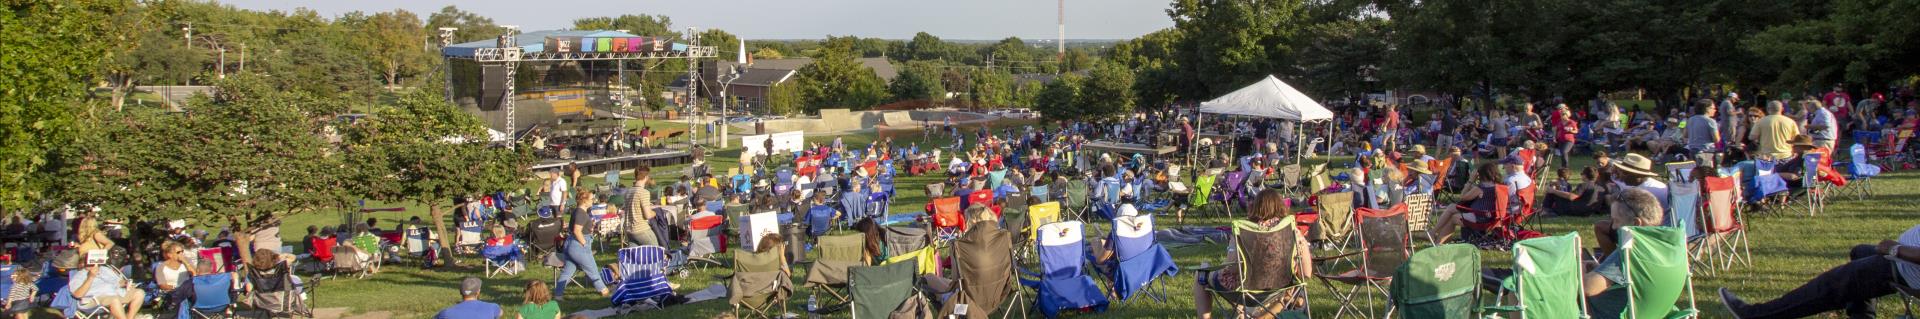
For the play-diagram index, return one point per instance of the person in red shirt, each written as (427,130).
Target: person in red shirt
(1564,130)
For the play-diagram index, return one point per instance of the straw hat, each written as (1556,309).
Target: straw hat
(1800,141)
(1419,166)
(1635,164)
(1417,148)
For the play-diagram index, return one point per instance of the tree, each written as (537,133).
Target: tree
(161,58)
(1108,91)
(1858,41)
(1027,94)
(727,43)
(392,41)
(46,76)
(471,26)
(923,47)
(1341,57)
(1012,53)
(247,158)
(991,88)
(427,151)
(767,53)
(920,80)
(1060,98)
(785,99)
(1153,56)
(1230,43)
(639,24)
(1076,60)
(835,79)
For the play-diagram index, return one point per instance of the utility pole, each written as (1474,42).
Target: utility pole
(243,57)
(1061,52)
(223,62)
(189,36)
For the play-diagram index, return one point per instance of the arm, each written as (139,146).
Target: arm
(1895,250)
(1593,284)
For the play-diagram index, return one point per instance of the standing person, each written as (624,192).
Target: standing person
(577,251)
(1703,133)
(639,211)
(470,305)
(1390,126)
(1771,134)
(538,303)
(1821,125)
(556,189)
(1565,129)
(1871,273)
(1729,112)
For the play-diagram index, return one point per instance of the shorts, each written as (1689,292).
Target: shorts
(131,296)
(19,307)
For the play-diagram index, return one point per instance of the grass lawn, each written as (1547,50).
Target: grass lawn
(1788,248)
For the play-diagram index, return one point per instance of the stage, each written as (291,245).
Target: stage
(1128,148)
(601,165)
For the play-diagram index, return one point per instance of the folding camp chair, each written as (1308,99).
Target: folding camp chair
(1333,223)
(853,206)
(1078,200)
(1860,173)
(948,220)
(1724,224)
(820,220)
(1907,297)
(760,281)
(1037,215)
(983,262)
(1138,261)
(879,291)
(502,259)
(1266,262)
(1441,168)
(1061,283)
(1384,246)
(1202,193)
(71,308)
(1041,192)
(1232,192)
(981,198)
(1683,197)
(1657,270)
(642,275)
(1290,179)
(1419,211)
(1438,282)
(1814,197)
(829,272)
(1013,208)
(903,240)
(212,294)
(1546,279)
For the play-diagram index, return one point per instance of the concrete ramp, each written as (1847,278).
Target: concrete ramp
(898,119)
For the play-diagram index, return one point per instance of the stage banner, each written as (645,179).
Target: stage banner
(658,43)
(633,44)
(619,44)
(782,142)
(604,45)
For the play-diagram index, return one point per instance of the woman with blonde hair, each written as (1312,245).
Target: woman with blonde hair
(539,302)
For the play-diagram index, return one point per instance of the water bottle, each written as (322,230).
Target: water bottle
(813,304)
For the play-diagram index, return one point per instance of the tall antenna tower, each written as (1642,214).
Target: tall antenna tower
(1060,55)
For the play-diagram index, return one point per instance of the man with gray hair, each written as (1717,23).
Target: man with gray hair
(1772,133)
(1604,286)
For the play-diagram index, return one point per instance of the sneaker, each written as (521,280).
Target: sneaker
(1731,302)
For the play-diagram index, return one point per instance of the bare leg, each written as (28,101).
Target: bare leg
(1446,225)
(1603,234)
(1202,301)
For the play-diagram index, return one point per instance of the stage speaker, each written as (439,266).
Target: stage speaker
(493,86)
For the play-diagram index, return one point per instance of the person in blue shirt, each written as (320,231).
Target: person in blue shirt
(470,305)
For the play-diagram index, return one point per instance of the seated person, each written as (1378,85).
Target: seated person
(1587,198)
(1851,287)
(1475,205)
(1269,208)
(1421,180)
(101,286)
(19,301)
(1604,286)
(470,305)
(1793,170)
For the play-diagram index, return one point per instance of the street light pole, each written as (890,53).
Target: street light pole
(733,73)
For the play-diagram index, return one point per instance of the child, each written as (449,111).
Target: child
(19,301)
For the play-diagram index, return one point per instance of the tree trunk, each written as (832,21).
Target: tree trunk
(440,227)
(120,93)
(392,73)
(243,238)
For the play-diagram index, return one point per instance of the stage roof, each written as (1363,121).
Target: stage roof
(535,42)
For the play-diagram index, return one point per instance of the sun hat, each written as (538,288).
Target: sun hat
(1635,164)
(1419,148)
(1419,166)
(1801,141)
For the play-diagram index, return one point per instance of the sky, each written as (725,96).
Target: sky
(803,19)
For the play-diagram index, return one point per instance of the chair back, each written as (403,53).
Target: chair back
(1266,254)
(1202,191)
(1438,282)
(1336,216)
(1383,233)
(323,248)
(1722,197)
(1040,191)
(1419,207)
(1077,193)
(1858,154)
(1546,275)
(643,274)
(1132,235)
(1318,178)
(994,178)
(878,290)
(983,257)
(759,225)
(1290,176)
(946,213)
(901,240)
(1062,249)
(819,220)
(1811,170)
(1657,270)
(837,254)
(855,205)
(212,291)
(216,256)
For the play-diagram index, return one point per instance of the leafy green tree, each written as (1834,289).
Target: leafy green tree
(835,79)
(768,53)
(1108,91)
(159,59)
(247,158)
(1011,53)
(1027,94)
(920,80)
(47,67)
(472,26)
(992,88)
(1229,43)
(1342,57)
(1857,41)
(785,99)
(1060,99)
(392,41)
(1152,55)
(727,43)
(427,151)
(1077,60)
(638,24)
(924,47)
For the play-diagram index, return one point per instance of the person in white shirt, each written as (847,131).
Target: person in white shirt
(1871,273)
(1517,178)
(556,190)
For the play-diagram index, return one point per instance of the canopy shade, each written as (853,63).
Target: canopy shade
(1269,98)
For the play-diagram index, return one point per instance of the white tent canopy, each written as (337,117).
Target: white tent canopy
(1269,98)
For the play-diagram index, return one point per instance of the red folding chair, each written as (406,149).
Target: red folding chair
(948,221)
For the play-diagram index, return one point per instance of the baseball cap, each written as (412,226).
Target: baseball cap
(469,286)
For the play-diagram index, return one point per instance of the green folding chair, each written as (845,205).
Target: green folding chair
(1202,192)
(1658,273)
(829,272)
(760,280)
(1266,263)
(1077,198)
(878,291)
(1546,279)
(1334,227)
(1438,282)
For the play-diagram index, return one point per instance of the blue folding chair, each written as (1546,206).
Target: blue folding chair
(6,281)
(1683,197)
(854,204)
(783,182)
(503,259)
(819,220)
(1062,284)
(211,295)
(1860,172)
(1039,191)
(642,274)
(1138,260)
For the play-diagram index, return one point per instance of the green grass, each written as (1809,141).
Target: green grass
(1788,248)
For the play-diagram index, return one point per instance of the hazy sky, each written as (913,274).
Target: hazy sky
(803,19)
